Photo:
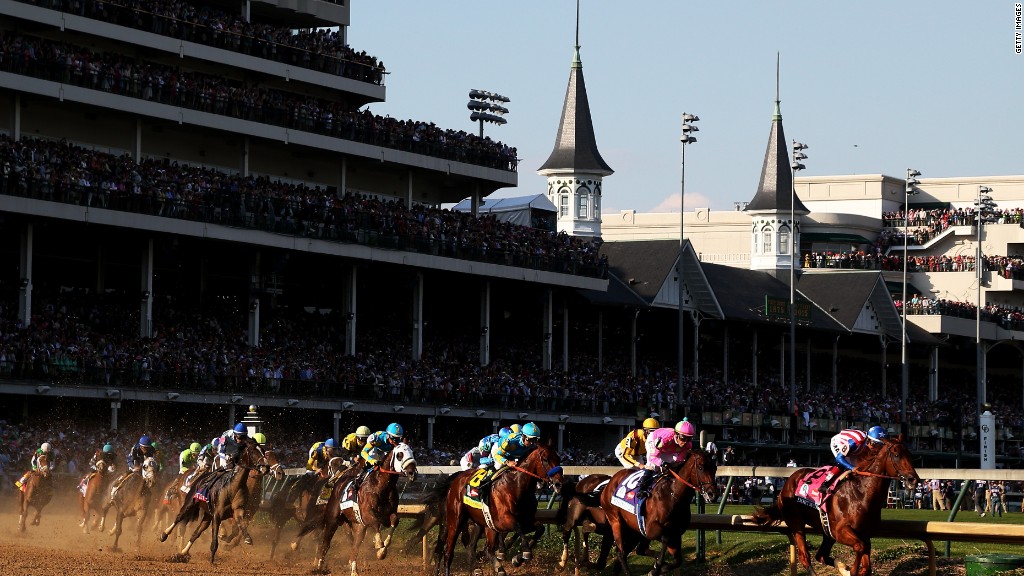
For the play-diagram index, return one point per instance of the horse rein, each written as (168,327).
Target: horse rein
(892,458)
(701,489)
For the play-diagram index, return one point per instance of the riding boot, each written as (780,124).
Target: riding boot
(22,480)
(643,489)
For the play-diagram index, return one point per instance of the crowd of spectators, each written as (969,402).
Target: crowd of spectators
(59,171)
(320,49)
(1008,317)
(216,94)
(76,337)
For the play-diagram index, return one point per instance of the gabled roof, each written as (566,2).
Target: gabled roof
(742,294)
(776,185)
(843,295)
(618,294)
(575,145)
(642,265)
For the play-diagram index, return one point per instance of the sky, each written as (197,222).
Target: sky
(872,87)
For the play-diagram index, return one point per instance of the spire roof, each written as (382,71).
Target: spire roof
(575,145)
(775,188)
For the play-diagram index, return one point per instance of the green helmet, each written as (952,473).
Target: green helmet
(260,438)
(195,447)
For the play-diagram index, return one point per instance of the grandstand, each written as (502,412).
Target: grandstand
(204,213)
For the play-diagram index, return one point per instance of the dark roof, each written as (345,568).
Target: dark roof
(618,294)
(776,185)
(741,294)
(642,265)
(575,145)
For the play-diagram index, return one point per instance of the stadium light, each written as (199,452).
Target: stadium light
(487,106)
(908,190)
(798,155)
(984,208)
(686,137)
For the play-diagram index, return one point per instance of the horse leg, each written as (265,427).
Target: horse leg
(242,525)
(495,540)
(444,549)
(214,540)
(824,553)
(204,523)
(330,527)
(118,521)
(382,547)
(23,507)
(617,535)
(356,535)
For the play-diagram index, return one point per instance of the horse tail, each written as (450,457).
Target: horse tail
(770,516)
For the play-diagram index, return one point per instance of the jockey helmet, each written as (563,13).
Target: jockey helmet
(363,432)
(486,443)
(531,430)
(685,428)
(107,448)
(241,429)
(195,447)
(514,428)
(215,442)
(45,447)
(505,432)
(260,438)
(877,434)
(155,446)
(329,443)
(144,441)
(395,431)
(651,424)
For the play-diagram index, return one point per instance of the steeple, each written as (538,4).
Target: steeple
(775,209)
(575,167)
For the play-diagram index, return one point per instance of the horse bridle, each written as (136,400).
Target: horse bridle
(889,448)
(546,479)
(702,489)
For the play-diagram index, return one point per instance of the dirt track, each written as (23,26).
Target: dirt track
(57,547)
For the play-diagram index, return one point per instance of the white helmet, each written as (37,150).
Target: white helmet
(45,447)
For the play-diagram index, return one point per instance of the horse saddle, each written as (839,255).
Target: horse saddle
(817,486)
(203,485)
(477,489)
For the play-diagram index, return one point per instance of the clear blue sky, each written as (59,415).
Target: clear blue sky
(870,86)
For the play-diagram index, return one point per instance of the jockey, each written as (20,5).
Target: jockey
(480,455)
(138,454)
(320,455)
(229,448)
(848,443)
(46,449)
(204,462)
(158,456)
(378,445)
(505,432)
(104,459)
(514,447)
(353,444)
(189,457)
(632,449)
(664,446)
(851,441)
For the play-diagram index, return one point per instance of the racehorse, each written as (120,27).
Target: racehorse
(227,493)
(268,465)
(580,504)
(853,511)
(666,512)
(375,506)
(36,491)
(95,490)
(131,496)
(512,507)
(297,499)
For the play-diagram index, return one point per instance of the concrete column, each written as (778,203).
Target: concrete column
(17,117)
(565,338)
(835,365)
(337,427)
(725,355)
(632,343)
(137,152)
(342,176)
(349,306)
(114,406)
(25,283)
(485,323)
(417,317)
(245,157)
(933,374)
(695,315)
(253,309)
(408,190)
(430,431)
(231,415)
(548,326)
(600,340)
(561,433)
(146,305)
(807,386)
(254,321)
(753,362)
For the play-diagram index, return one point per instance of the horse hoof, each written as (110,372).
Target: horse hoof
(179,558)
(248,540)
(499,556)
(478,572)
(517,562)
(382,553)
(502,573)
(163,537)
(294,546)
(527,555)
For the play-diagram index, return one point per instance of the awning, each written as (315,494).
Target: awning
(834,238)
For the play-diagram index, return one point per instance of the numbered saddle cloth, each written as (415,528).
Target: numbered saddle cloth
(472,495)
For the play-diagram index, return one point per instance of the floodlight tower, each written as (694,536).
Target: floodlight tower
(487,107)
